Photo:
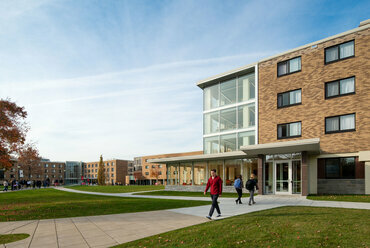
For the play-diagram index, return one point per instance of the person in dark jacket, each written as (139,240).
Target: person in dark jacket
(238,184)
(215,183)
(251,184)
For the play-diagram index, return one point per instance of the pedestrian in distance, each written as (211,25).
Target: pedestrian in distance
(215,183)
(238,184)
(6,184)
(250,185)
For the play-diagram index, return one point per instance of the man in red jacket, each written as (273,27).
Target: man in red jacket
(215,183)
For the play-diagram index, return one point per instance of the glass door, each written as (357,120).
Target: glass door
(296,177)
(283,177)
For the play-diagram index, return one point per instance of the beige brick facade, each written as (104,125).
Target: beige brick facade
(115,171)
(314,108)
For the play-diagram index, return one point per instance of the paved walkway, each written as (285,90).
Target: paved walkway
(109,230)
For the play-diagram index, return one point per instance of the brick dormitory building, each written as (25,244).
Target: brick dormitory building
(299,120)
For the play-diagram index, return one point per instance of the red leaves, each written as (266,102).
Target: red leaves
(13,130)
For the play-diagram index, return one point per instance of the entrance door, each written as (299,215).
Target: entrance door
(288,177)
(283,177)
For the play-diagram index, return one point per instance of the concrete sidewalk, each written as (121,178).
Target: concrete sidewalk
(109,230)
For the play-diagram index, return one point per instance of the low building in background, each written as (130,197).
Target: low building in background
(46,170)
(155,173)
(116,171)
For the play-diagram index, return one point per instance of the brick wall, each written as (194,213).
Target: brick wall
(314,107)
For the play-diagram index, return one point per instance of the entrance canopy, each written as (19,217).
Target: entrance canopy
(308,145)
(199,158)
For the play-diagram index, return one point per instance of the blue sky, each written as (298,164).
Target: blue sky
(118,77)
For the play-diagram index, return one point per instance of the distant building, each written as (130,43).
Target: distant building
(116,171)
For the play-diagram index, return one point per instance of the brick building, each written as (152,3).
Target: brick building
(299,120)
(116,171)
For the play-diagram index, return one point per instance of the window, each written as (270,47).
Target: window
(46,165)
(147,173)
(46,170)
(211,97)
(53,165)
(112,169)
(88,166)
(211,145)
(228,143)
(339,52)
(289,98)
(246,116)
(112,175)
(160,166)
(246,87)
(289,66)
(340,123)
(228,119)
(289,130)
(146,167)
(160,173)
(340,87)
(112,163)
(211,123)
(340,168)
(228,92)
(246,138)
(153,166)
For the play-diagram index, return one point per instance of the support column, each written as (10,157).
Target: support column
(192,173)
(304,173)
(260,174)
(223,173)
(367,178)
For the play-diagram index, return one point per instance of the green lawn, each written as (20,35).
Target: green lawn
(347,198)
(188,193)
(117,189)
(8,238)
(279,227)
(51,203)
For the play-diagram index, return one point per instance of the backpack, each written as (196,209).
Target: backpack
(249,185)
(237,184)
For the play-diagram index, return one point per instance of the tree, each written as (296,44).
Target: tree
(29,160)
(101,172)
(13,130)
(155,172)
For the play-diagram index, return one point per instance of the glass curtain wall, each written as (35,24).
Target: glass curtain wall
(232,170)
(211,145)
(172,174)
(185,173)
(246,116)
(228,142)
(200,173)
(211,97)
(246,87)
(228,92)
(249,166)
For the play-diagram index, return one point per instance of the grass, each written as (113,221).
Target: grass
(51,203)
(346,198)
(279,227)
(190,194)
(9,238)
(117,189)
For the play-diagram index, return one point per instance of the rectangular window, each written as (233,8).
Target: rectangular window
(340,168)
(340,123)
(211,97)
(339,52)
(289,130)
(246,116)
(289,66)
(228,119)
(246,138)
(289,98)
(147,173)
(340,87)
(246,87)
(228,143)
(211,145)
(228,92)
(146,167)
(211,122)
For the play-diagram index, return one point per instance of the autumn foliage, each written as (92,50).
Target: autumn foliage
(101,172)
(13,130)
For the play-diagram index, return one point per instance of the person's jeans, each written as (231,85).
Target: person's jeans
(5,188)
(214,205)
(240,193)
(251,198)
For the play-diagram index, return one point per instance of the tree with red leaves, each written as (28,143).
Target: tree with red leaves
(13,131)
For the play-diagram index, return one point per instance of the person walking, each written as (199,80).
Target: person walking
(6,184)
(215,183)
(251,184)
(238,184)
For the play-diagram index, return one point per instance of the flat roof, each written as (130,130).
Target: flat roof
(309,145)
(199,158)
(229,74)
